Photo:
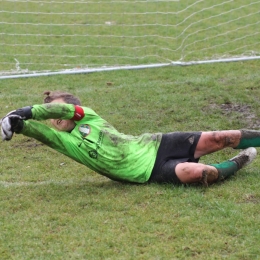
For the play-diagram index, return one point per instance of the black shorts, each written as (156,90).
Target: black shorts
(176,147)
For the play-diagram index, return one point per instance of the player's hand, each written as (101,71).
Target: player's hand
(25,112)
(13,122)
(9,125)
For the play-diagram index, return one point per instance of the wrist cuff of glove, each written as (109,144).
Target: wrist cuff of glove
(25,112)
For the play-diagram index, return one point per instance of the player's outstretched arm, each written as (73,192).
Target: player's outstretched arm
(41,132)
(13,121)
(49,111)
(57,111)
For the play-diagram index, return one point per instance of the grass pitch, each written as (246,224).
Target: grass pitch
(54,208)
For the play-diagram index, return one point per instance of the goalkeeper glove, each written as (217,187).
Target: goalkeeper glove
(13,122)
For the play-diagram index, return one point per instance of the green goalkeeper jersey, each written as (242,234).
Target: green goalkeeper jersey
(95,143)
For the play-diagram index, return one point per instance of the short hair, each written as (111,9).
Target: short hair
(67,97)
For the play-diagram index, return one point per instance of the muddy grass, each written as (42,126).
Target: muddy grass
(243,112)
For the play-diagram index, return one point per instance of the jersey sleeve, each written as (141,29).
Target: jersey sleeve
(62,142)
(57,111)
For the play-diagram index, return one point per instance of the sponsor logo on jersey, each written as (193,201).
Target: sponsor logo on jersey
(84,130)
(93,154)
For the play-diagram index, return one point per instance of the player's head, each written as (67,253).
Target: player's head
(68,98)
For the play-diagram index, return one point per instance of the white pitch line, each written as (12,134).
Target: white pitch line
(7,184)
(80,182)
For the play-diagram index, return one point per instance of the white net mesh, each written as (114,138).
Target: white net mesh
(40,36)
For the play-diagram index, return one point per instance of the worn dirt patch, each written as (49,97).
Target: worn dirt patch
(250,198)
(29,143)
(245,113)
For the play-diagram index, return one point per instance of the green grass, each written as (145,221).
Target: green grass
(53,208)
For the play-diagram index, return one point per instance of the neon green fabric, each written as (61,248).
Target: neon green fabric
(53,110)
(96,144)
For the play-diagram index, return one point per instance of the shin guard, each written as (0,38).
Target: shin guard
(225,169)
(249,138)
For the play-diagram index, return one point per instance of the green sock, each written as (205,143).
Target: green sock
(225,169)
(249,138)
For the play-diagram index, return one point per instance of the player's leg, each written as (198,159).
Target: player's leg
(249,138)
(188,172)
(229,167)
(178,155)
(196,172)
(210,142)
(214,141)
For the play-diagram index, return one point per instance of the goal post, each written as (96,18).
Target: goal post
(55,37)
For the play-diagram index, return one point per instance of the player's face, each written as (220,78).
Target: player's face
(61,124)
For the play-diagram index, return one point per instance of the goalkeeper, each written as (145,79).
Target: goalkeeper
(162,158)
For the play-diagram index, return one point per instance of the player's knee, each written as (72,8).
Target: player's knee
(204,174)
(219,139)
(196,173)
(190,172)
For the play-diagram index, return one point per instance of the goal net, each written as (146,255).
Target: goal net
(49,36)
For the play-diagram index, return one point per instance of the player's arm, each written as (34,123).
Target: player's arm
(50,111)
(57,111)
(14,121)
(62,142)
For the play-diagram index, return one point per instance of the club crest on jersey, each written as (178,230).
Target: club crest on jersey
(84,130)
